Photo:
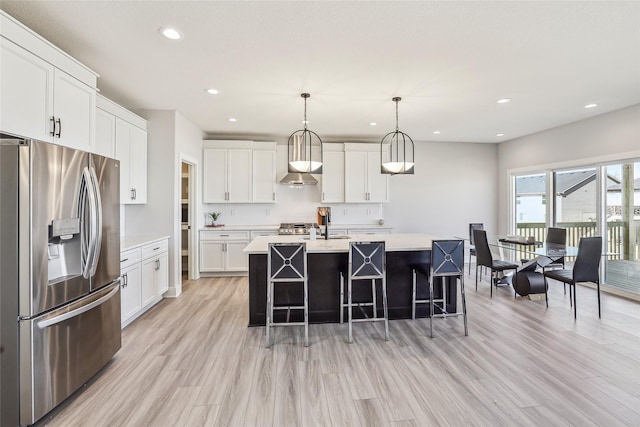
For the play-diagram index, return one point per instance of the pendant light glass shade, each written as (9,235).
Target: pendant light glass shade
(304,148)
(396,150)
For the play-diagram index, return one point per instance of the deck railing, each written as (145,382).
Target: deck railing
(576,230)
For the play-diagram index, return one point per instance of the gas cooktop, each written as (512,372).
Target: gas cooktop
(296,228)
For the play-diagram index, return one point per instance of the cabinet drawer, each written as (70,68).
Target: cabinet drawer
(255,234)
(155,248)
(129,257)
(224,235)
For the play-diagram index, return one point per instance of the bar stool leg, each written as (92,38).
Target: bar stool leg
(374,299)
(431,310)
(413,296)
(269,312)
(306,313)
(349,310)
(384,307)
(341,298)
(464,305)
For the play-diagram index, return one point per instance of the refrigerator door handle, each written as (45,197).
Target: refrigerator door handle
(78,311)
(89,239)
(84,231)
(97,215)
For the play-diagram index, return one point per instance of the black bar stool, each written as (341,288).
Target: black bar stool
(287,263)
(366,262)
(447,264)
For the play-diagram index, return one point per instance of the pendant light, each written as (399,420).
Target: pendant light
(399,147)
(305,147)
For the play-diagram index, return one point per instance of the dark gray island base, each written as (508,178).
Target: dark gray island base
(324,287)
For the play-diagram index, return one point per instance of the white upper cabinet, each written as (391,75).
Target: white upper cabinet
(105,133)
(333,173)
(74,109)
(26,85)
(131,150)
(46,94)
(227,172)
(264,173)
(364,183)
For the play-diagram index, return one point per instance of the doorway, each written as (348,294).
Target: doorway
(186,221)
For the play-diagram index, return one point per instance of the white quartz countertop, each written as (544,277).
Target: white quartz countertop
(393,242)
(275,227)
(132,242)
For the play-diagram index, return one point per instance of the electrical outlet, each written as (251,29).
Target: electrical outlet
(346,211)
(368,211)
(233,212)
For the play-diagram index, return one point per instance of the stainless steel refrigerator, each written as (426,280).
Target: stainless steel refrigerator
(59,274)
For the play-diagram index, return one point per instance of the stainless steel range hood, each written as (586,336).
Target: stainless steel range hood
(298,178)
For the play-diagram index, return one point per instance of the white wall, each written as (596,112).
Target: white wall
(454,184)
(169,135)
(608,137)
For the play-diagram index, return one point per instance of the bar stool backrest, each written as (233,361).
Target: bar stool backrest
(587,262)
(447,257)
(287,262)
(366,260)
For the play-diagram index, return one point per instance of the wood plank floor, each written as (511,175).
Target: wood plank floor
(192,361)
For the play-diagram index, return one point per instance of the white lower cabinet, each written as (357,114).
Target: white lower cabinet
(130,284)
(221,251)
(145,277)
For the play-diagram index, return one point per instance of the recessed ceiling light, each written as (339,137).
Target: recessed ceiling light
(590,105)
(170,33)
(373,124)
(436,132)
(212,91)
(499,134)
(232,119)
(503,100)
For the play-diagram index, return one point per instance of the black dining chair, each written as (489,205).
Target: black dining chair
(485,258)
(472,248)
(585,269)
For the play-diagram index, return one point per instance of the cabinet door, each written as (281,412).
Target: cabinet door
(239,175)
(74,107)
(138,164)
(214,186)
(355,184)
(26,85)
(377,183)
(211,256)
(150,269)
(236,259)
(264,176)
(131,150)
(162,274)
(130,292)
(123,148)
(333,177)
(105,133)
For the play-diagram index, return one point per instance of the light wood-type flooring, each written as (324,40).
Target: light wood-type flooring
(192,361)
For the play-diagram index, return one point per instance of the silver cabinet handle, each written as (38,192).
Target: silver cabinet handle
(155,249)
(133,194)
(125,280)
(274,195)
(59,127)
(157,264)
(224,235)
(53,126)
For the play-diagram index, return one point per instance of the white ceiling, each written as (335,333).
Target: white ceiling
(449,61)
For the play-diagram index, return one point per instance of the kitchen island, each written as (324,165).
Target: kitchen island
(326,259)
